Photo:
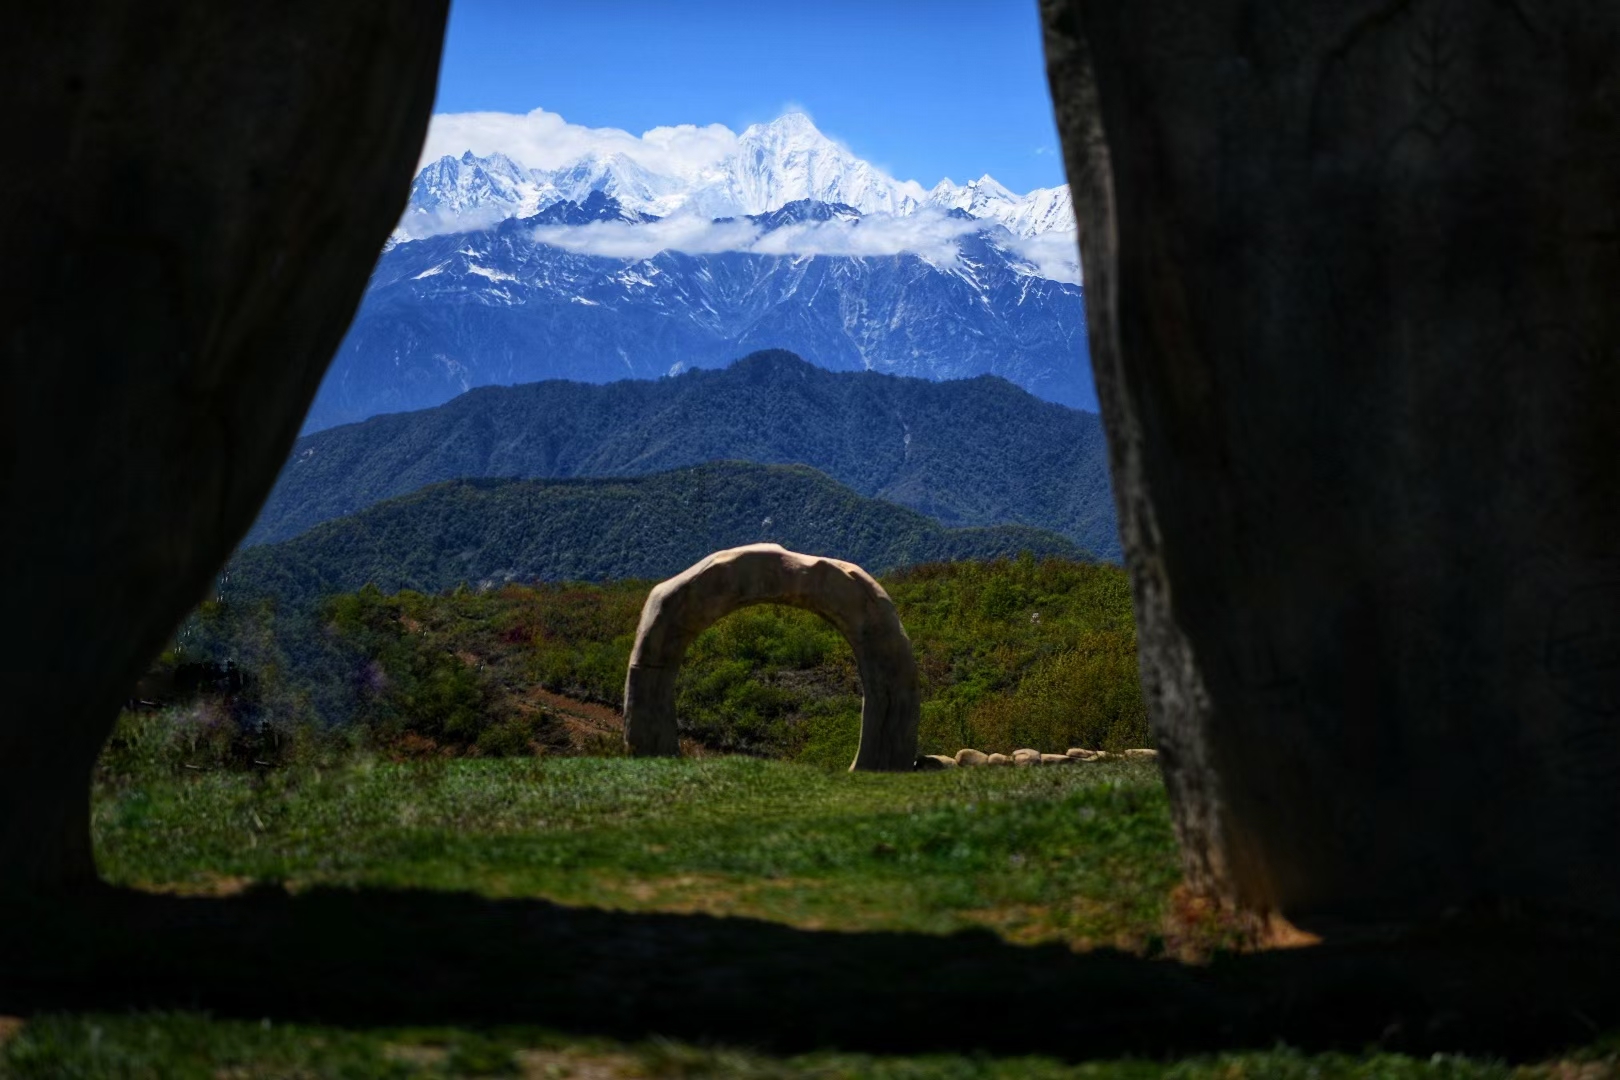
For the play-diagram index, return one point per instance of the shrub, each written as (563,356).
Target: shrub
(1088,696)
(1010,653)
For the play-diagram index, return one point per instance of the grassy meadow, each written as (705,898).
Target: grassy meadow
(479,760)
(1075,857)
(1081,855)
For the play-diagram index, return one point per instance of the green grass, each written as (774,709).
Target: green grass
(1081,854)
(184,1046)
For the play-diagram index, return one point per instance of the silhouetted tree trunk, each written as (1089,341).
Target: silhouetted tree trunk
(1353,280)
(194,196)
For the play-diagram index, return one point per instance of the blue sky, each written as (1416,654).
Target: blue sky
(926,90)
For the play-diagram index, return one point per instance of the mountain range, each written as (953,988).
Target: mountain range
(489,531)
(974,452)
(784,161)
(603,270)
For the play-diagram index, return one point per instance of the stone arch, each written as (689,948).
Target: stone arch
(681,608)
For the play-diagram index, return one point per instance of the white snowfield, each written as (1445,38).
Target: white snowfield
(765,168)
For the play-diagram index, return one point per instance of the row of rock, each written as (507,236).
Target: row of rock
(1073,756)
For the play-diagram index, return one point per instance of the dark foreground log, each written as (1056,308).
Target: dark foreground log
(194,196)
(1351,271)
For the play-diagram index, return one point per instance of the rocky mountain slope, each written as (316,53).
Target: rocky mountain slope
(546,297)
(604,268)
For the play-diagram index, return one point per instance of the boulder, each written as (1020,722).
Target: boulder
(998,759)
(935,762)
(1026,756)
(1080,755)
(1056,759)
(1141,754)
(971,757)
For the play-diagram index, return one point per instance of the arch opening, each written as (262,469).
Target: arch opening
(682,607)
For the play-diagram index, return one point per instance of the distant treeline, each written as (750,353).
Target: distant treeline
(487,532)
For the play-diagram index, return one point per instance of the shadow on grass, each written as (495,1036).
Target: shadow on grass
(375,957)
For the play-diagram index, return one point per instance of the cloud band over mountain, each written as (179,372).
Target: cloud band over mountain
(696,178)
(929,234)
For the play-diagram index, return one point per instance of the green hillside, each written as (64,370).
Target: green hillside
(974,452)
(1010,653)
(493,531)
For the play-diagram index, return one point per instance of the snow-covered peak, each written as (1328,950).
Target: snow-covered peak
(470,192)
(468,182)
(789,159)
(983,197)
(1042,211)
(793,128)
(986,187)
(772,165)
(622,178)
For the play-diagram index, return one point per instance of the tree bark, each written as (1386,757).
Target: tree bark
(1351,272)
(197,195)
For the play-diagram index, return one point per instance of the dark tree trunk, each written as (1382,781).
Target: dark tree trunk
(194,196)
(1353,276)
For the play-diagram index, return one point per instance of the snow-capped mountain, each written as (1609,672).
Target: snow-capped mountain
(789,160)
(1042,211)
(983,198)
(468,191)
(604,267)
(616,175)
(774,164)
(512,302)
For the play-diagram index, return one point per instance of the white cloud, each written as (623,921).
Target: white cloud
(625,240)
(418,225)
(931,235)
(1055,254)
(544,140)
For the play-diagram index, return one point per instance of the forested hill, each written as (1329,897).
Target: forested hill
(969,452)
(492,531)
